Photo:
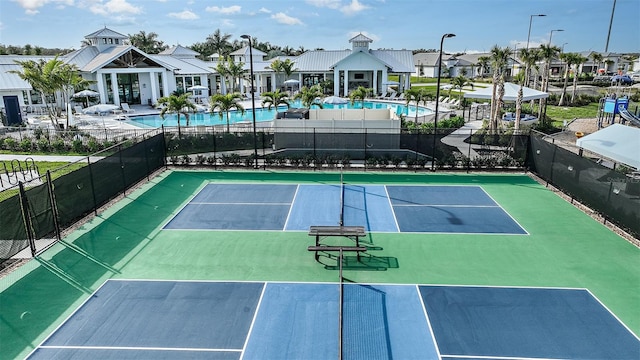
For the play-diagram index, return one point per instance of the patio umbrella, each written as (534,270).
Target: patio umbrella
(335,100)
(390,83)
(197,87)
(86,93)
(100,109)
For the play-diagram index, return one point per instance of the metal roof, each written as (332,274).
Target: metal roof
(82,56)
(245,52)
(179,50)
(106,32)
(184,66)
(319,60)
(12,81)
(399,61)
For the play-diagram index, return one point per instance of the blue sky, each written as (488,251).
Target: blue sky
(328,24)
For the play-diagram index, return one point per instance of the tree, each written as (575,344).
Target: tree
(499,59)
(219,43)
(148,43)
(236,71)
(225,103)
(310,96)
(483,65)
(417,95)
(70,81)
(361,93)
(285,67)
(579,61)
(530,57)
(459,82)
(44,77)
(597,59)
(548,53)
(177,104)
(275,98)
(569,59)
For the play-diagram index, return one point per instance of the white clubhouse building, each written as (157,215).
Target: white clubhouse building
(123,73)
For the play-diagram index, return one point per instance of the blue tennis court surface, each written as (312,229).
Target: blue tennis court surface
(256,320)
(419,209)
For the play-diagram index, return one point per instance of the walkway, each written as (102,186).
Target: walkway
(458,137)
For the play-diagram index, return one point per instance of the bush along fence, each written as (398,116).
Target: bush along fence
(40,209)
(416,149)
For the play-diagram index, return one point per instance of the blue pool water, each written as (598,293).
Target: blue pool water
(214,118)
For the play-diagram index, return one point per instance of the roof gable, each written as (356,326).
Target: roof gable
(106,32)
(179,51)
(127,56)
(364,57)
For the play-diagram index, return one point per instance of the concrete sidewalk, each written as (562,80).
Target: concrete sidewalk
(458,137)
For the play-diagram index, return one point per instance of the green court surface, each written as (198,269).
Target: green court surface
(564,248)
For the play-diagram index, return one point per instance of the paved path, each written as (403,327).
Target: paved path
(457,138)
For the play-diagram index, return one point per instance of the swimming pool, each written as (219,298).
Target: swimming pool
(208,119)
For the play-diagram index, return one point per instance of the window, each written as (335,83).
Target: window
(110,41)
(117,41)
(104,41)
(358,76)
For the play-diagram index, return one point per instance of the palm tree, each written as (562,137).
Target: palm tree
(71,80)
(499,59)
(226,103)
(597,59)
(275,98)
(236,71)
(548,52)
(483,64)
(361,93)
(177,104)
(569,59)
(579,61)
(148,43)
(417,95)
(44,77)
(219,43)
(459,82)
(530,57)
(310,96)
(276,66)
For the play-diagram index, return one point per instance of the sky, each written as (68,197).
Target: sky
(329,24)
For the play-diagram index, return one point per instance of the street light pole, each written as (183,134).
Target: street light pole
(551,34)
(530,21)
(435,120)
(253,101)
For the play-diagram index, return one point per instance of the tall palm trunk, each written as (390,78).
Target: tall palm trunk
(575,86)
(564,87)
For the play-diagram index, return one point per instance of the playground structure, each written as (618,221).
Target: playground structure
(609,107)
(17,172)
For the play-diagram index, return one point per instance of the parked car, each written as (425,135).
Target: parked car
(602,79)
(622,80)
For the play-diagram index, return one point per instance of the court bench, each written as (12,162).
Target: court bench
(351,232)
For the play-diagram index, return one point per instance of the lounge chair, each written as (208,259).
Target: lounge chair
(77,109)
(401,97)
(383,95)
(125,107)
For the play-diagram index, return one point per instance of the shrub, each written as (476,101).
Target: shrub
(77,146)
(43,145)
(26,145)
(11,144)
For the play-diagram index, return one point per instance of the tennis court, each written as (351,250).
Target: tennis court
(215,265)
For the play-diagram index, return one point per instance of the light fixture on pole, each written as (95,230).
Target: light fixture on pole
(530,21)
(435,120)
(551,34)
(253,101)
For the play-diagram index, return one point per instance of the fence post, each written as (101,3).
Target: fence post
(124,178)
(54,208)
(314,149)
(146,156)
(468,164)
(26,219)
(93,187)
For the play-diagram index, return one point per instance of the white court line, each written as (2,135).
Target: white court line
(446,205)
(184,205)
(426,316)
(612,314)
(295,195)
(395,218)
(503,209)
(237,203)
(138,348)
(253,321)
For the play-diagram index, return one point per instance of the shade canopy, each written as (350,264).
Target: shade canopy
(100,109)
(335,100)
(197,87)
(617,142)
(510,93)
(291,82)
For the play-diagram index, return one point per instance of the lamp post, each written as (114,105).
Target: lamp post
(551,34)
(435,120)
(530,21)
(253,101)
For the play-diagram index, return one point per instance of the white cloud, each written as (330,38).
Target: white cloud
(235,9)
(283,18)
(184,15)
(265,11)
(353,8)
(227,23)
(31,6)
(331,4)
(115,7)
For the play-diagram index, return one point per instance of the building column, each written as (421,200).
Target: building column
(407,81)
(346,83)
(376,90)
(114,88)
(165,83)
(154,87)
(336,82)
(101,89)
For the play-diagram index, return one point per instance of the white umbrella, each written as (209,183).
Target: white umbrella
(291,82)
(86,93)
(197,87)
(100,109)
(335,100)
